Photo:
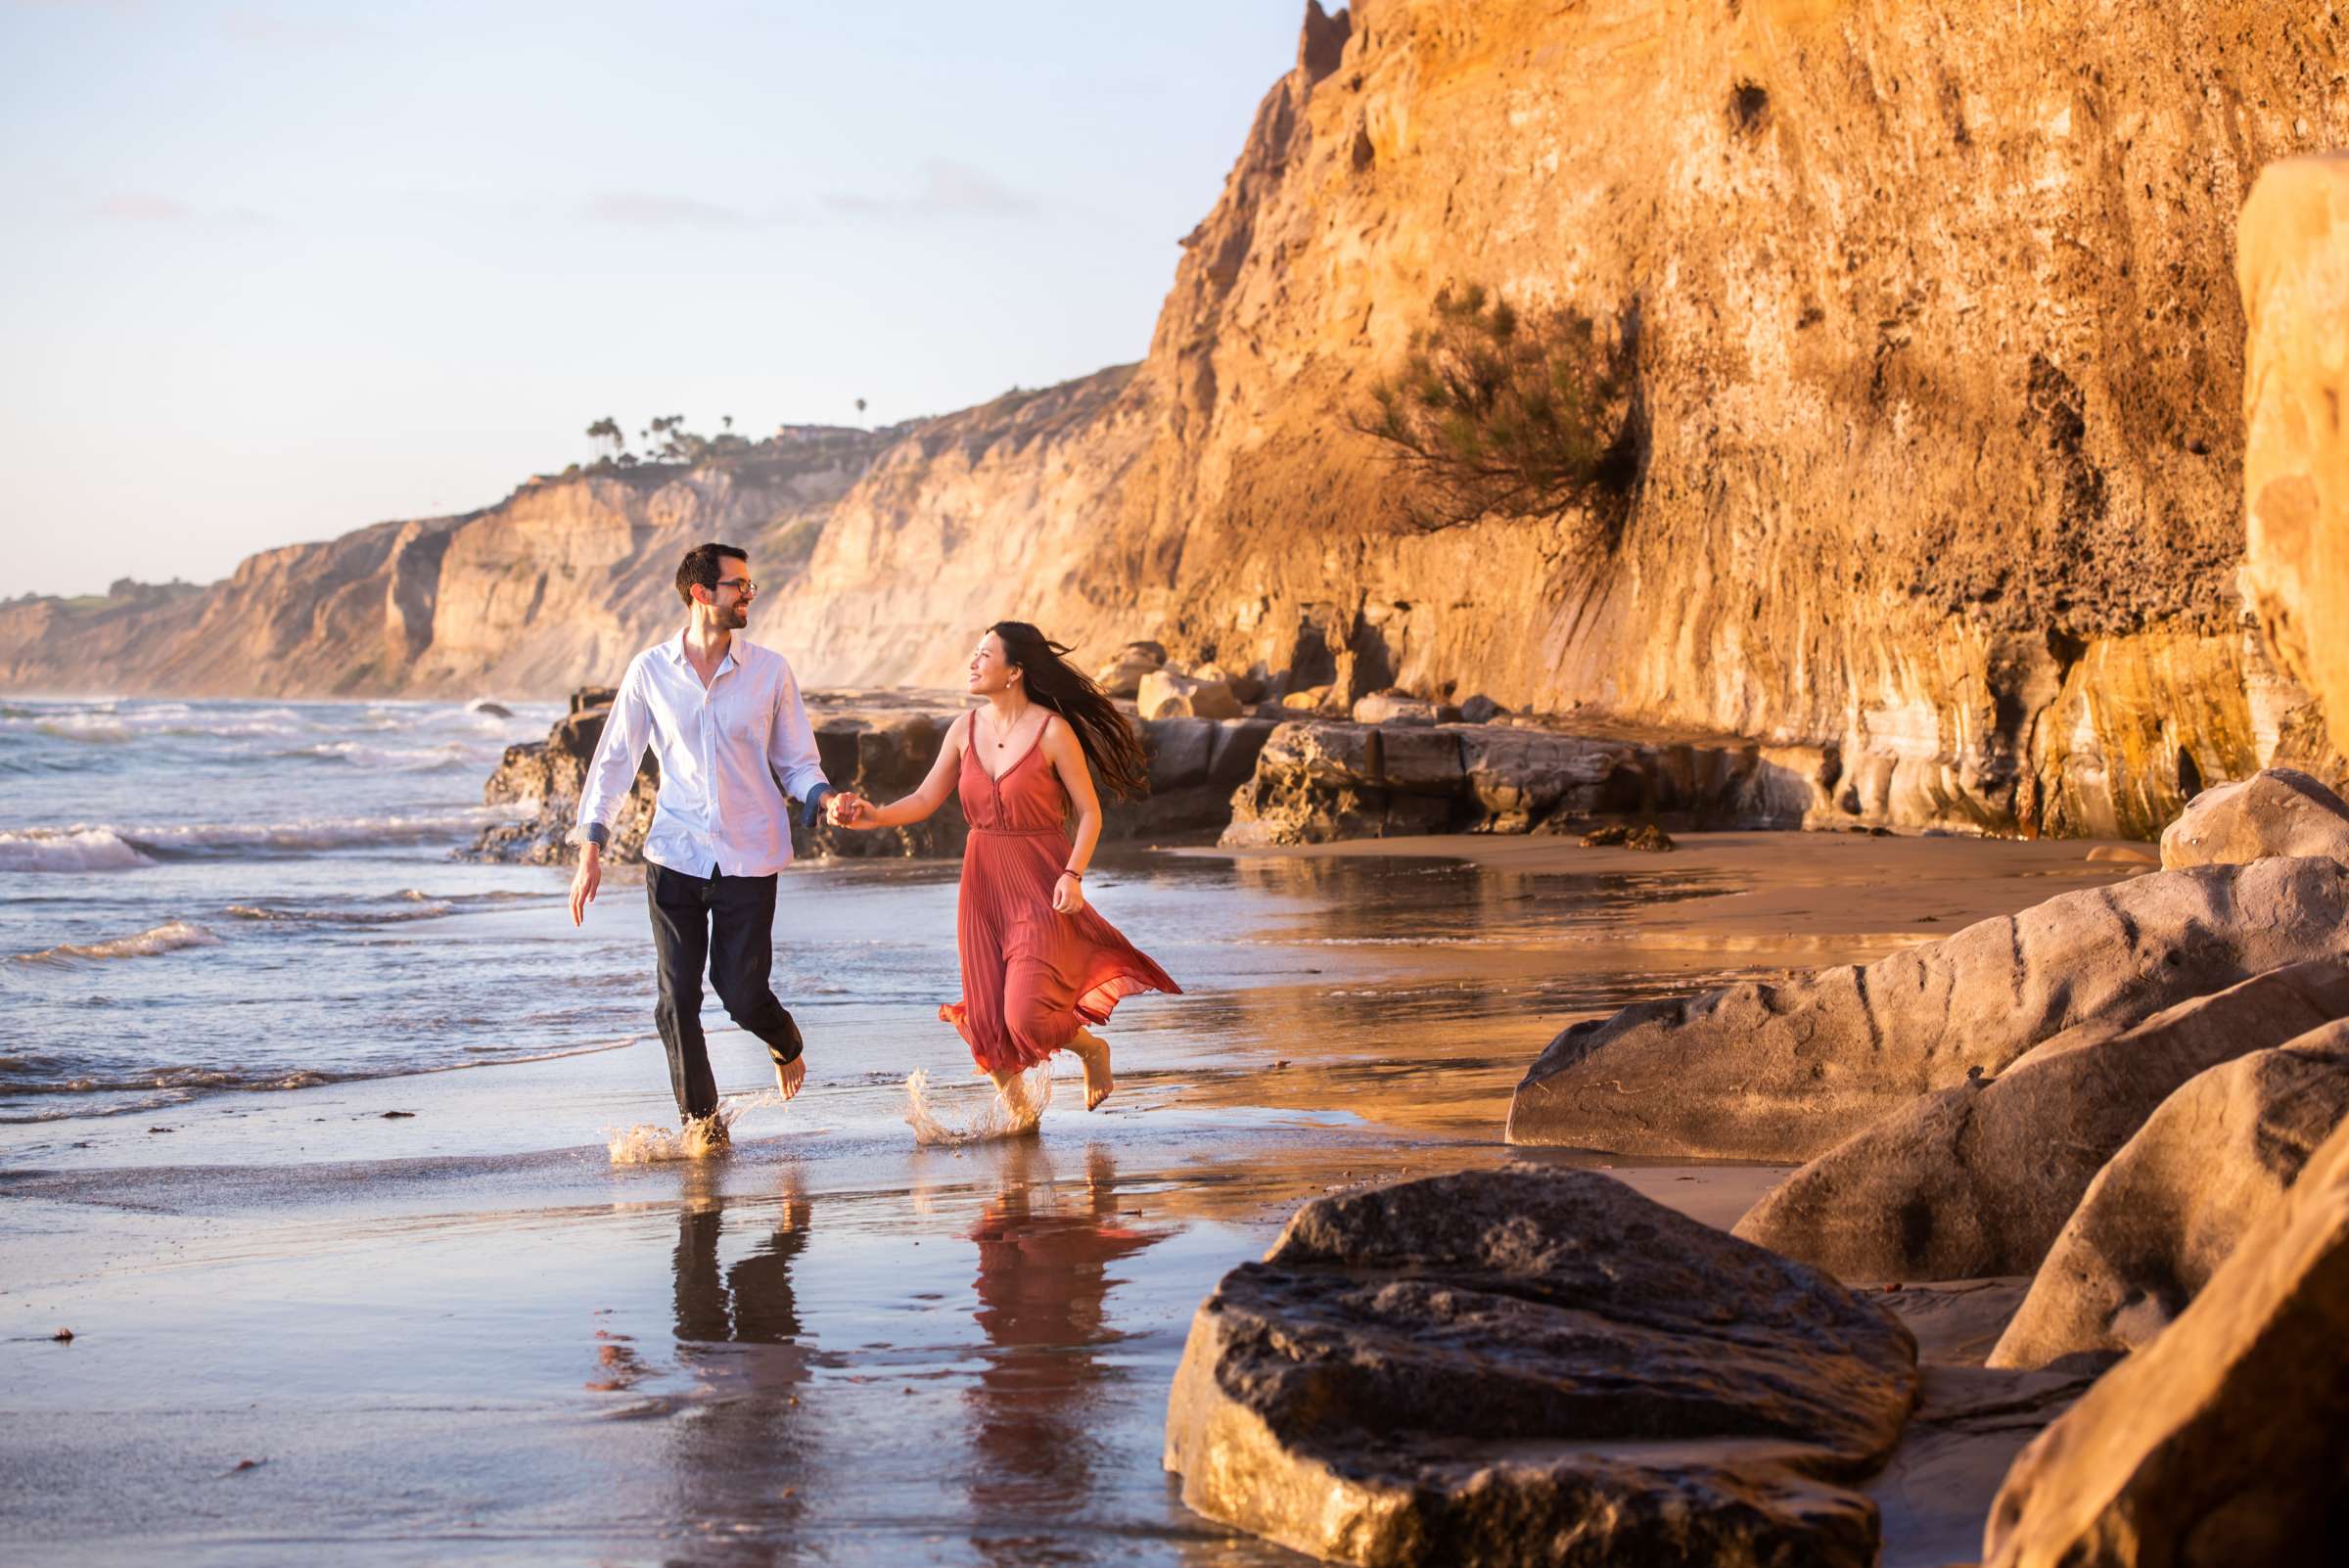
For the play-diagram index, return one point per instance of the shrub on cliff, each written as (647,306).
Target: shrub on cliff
(1502,411)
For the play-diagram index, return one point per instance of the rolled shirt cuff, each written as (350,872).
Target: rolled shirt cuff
(596,833)
(812,809)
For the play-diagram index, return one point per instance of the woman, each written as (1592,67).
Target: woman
(1037,965)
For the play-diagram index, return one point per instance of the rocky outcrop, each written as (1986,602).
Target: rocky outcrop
(1536,1365)
(2219,1444)
(2292,262)
(879,744)
(2275,811)
(2214,1161)
(1770,1071)
(1320,780)
(1979,1179)
(563,579)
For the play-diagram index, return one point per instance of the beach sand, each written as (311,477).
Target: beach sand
(465,1334)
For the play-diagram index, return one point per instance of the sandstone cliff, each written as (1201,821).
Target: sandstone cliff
(1934,356)
(565,578)
(1935,350)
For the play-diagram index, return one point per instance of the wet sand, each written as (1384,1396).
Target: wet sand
(464,1334)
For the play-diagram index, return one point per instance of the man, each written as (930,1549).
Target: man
(724,719)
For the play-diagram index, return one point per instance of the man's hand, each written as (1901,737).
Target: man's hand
(789,1076)
(846,808)
(585,880)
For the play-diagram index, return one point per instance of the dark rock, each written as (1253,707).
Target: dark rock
(2219,1444)
(488,709)
(2215,1160)
(1979,1179)
(1179,750)
(1480,710)
(1531,1365)
(1238,744)
(1766,1070)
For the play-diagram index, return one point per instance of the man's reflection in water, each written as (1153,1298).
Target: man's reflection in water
(739,1456)
(1044,1260)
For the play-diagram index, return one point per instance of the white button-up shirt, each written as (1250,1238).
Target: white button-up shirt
(720,749)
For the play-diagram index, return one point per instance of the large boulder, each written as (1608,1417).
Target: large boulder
(1163,694)
(1318,781)
(2292,263)
(1536,1365)
(1396,706)
(1122,675)
(2219,1445)
(1766,1070)
(2278,810)
(2161,1220)
(1979,1179)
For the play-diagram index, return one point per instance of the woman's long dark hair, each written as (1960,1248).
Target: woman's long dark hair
(1109,741)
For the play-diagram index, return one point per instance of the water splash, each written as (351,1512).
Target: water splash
(651,1143)
(708,1138)
(1012,1114)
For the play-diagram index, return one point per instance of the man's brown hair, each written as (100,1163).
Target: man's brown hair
(701,567)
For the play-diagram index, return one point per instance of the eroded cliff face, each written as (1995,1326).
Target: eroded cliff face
(1937,359)
(562,580)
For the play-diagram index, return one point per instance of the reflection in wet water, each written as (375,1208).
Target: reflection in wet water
(739,1450)
(1042,1283)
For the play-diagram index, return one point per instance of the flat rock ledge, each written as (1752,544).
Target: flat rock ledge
(1534,1365)
(1788,1071)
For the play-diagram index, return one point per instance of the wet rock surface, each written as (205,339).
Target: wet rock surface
(2276,812)
(1769,1070)
(1979,1179)
(2211,1165)
(2219,1444)
(1536,1365)
(1322,780)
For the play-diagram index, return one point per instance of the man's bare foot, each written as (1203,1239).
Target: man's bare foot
(1092,1050)
(789,1076)
(705,1138)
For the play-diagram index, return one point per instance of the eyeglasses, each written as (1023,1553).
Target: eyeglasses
(740,584)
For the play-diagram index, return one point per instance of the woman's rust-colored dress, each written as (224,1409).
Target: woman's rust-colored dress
(1030,977)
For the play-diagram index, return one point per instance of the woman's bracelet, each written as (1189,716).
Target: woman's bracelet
(1066,872)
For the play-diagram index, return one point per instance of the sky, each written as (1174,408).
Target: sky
(270,273)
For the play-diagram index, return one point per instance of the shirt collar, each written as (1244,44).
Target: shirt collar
(675,649)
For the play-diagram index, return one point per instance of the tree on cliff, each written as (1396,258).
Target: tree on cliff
(1496,411)
(606,428)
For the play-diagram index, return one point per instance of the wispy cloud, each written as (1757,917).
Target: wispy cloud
(145,206)
(650,210)
(946,188)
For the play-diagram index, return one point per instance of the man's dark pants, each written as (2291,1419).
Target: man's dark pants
(727,925)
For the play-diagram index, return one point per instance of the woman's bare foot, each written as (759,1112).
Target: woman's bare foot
(1092,1050)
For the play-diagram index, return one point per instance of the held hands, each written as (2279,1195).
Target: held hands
(1068,894)
(846,808)
(586,881)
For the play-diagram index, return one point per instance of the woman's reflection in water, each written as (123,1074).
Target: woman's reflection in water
(740,1453)
(1044,1259)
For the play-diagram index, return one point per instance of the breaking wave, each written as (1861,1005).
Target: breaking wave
(169,937)
(85,847)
